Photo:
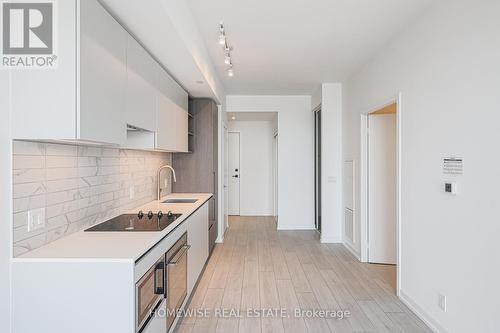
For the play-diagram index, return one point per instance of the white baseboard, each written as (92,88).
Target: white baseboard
(420,313)
(351,249)
(295,227)
(333,240)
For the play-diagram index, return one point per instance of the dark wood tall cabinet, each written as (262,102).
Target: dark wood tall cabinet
(197,171)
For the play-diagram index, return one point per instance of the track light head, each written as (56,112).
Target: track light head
(222,34)
(222,39)
(227,49)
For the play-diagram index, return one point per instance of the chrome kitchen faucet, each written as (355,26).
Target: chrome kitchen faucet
(166,166)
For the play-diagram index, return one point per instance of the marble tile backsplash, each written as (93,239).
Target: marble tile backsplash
(78,186)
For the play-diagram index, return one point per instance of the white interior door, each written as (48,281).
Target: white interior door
(226,177)
(382,189)
(234,173)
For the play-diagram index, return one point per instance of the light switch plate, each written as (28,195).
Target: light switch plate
(442,302)
(36,219)
(451,188)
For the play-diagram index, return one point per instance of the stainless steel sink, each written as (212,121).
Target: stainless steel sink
(180,200)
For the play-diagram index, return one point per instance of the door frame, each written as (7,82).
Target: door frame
(225,177)
(318,169)
(364,184)
(275,175)
(240,173)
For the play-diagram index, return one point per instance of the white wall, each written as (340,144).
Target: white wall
(5,203)
(295,162)
(331,148)
(221,206)
(256,163)
(447,67)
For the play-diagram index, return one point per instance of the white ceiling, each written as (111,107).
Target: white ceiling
(291,46)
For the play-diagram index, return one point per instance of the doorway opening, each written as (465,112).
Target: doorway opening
(253,164)
(380,190)
(317,169)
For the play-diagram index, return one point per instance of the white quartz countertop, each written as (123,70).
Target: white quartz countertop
(117,245)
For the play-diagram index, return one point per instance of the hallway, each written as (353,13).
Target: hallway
(258,267)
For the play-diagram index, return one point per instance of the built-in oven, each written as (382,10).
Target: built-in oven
(150,292)
(176,277)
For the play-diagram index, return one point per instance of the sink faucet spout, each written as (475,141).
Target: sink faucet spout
(166,166)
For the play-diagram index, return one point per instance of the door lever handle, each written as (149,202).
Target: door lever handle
(235,176)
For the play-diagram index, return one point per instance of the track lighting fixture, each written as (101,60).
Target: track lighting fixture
(227,49)
(222,34)
(222,39)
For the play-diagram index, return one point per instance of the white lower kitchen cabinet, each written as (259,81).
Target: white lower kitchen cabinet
(198,239)
(157,322)
(77,296)
(110,282)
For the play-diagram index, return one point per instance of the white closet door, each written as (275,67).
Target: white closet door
(234,173)
(382,189)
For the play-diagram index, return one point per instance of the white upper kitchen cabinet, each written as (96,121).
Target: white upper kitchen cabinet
(82,98)
(181,135)
(103,81)
(166,133)
(141,87)
(172,116)
(103,75)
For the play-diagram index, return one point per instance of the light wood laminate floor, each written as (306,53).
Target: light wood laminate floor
(258,267)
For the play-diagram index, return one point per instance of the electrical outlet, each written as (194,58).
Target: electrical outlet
(36,219)
(131,192)
(442,302)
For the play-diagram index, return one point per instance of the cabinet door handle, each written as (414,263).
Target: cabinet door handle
(177,258)
(159,290)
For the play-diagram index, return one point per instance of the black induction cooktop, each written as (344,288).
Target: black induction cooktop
(137,222)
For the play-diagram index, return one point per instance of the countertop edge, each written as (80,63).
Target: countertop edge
(136,260)
(26,258)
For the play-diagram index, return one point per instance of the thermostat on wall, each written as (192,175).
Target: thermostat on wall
(451,188)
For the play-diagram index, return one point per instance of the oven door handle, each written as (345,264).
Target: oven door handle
(177,258)
(159,290)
